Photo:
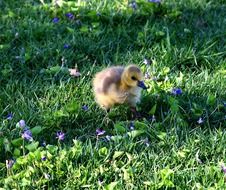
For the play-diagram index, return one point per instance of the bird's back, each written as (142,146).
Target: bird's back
(104,79)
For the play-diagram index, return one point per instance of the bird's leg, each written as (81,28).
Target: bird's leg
(135,113)
(106,119)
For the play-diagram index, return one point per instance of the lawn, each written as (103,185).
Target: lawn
(52,133)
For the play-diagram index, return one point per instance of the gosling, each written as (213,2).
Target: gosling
(118,85)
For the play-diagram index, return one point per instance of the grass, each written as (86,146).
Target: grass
(185,42)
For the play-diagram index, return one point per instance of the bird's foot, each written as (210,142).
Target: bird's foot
(135,113)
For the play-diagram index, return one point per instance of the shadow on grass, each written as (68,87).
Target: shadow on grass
(184,38)
(192,37)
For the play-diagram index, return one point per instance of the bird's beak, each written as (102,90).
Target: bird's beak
(141,84)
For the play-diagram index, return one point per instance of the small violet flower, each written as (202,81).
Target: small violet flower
(108,137)
(27,135)
(85,108)
(154,1)
(9,163)
(66,46)
(100,132)
(224,103)
(9,116)
(69,15)
(43,144)
(22,123)
(154,78)
(55,20)
(146,142)
(60,135)
(98,14)
(133,5)
(176,91)
(43,158)
(146,61)
(200,121)
(223,168)
(78,22)
(147,75)
(47,176)
(131,126)
(100,182)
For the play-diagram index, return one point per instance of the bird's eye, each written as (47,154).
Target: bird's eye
(133,78)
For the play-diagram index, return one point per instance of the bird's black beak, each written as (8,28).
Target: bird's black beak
(141,84)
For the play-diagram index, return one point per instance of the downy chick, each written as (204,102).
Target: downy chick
(118,85)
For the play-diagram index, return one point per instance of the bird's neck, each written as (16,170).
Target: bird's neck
(124,86)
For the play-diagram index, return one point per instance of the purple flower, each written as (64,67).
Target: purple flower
(85,108)
(197,157)
(55,20)
(133,5)
(66,46)
(223,168)
(146,142)
(224,103)
(9,116)
(43,158)
(78,22)
(98,14)
(27,135)
(100,182)
(176,91)
(154,78)
(69,15)
(154,1)
(147,75)
(60,135)
(100,132)
(22,123)
(9,163)
(108,137)
(43,144)
(200,121)
(146,61)
(47,176)
(131,126)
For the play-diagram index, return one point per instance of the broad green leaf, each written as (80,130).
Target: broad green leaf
(119,128)
(7,145)
(117,154)
(135,133)
(17,142)
(16,152)
(32,147)
(111,186)
(72,107)
(60,113)
(140,125)
(36,130)
(84,29)
(116,138)
(162,135)
(52,149)
(153,109)
(173,104)
(103,151)
(211,99)
(53,70)
(165,71)
(70,30)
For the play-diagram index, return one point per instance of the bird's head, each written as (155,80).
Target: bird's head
(132,77)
